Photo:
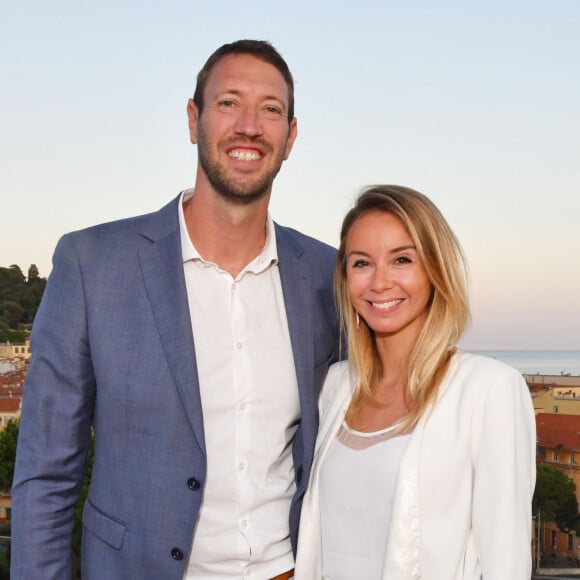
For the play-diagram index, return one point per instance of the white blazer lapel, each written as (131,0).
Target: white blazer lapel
(402,554)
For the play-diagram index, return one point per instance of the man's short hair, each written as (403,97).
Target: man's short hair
(259,49)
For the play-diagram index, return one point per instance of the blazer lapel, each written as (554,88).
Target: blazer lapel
(162,269)
(298,300)
(402,555)
(402,558)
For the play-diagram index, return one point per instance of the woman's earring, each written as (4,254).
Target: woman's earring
(357,320)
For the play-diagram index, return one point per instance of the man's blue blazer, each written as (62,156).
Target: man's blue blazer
(112,350)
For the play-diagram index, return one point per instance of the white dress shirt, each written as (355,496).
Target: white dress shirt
(249,396)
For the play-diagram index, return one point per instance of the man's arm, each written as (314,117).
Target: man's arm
(57,409)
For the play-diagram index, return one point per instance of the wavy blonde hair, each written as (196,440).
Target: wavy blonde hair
(448,310)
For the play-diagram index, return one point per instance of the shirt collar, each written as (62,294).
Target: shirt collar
(267,257)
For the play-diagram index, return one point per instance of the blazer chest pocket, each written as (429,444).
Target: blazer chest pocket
(103,527)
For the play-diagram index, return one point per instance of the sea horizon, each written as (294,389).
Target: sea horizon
(537,361)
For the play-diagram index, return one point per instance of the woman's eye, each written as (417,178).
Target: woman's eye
(360,264)
(403,260)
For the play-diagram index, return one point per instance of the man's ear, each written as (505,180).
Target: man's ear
(292,134)
(192,118)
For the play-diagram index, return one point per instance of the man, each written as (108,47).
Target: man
(194,342)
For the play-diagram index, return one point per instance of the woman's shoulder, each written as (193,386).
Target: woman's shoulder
(479,371)
(337,370)
(339,379)
(468,362)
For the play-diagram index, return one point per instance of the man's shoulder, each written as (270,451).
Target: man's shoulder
(118,239)
(286,236)
(129,226)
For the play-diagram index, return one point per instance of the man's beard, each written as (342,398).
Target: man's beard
(229,188)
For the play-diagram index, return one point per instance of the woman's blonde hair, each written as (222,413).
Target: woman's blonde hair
(448,310)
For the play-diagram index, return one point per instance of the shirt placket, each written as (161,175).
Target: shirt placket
(241,392)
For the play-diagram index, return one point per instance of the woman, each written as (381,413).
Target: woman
(425,458)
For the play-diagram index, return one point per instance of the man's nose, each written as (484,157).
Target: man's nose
(248,122)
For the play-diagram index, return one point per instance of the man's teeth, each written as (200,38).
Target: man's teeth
(244,155)
(386,305)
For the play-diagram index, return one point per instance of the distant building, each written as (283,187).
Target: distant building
(6,367)
(10,395)
(10,350)
(558,445)
(5,507)
(555,393)
(9,410)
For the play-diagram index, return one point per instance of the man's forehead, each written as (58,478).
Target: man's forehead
(235,72)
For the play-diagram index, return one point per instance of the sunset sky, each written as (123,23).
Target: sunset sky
(476,105)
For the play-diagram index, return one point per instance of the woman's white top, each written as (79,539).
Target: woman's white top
(357,489)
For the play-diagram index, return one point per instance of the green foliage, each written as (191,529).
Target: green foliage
(11,312)
(4,564)
(13,336)
(78,517)
(19,296)
(8,439)
(5,551)
(555,497)
(33,273)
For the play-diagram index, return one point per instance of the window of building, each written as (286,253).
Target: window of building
(555,455)
(554,540)
(570,542)
(556,410)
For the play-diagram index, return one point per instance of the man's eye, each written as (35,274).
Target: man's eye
(273,110)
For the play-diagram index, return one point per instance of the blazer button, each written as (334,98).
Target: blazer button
(193,483)
(177,554)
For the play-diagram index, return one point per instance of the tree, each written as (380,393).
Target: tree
(555,498)
(78,516)
(8,439)
(26,293)
(11,312)
(567,518)
(32,273)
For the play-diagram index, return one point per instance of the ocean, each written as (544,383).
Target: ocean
(538,362)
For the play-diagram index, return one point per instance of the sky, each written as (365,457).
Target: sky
(476,105)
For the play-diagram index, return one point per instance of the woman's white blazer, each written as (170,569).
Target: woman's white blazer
(462,507)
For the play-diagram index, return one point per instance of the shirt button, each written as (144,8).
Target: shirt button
(193,483)
(176,554)
(239,345)
(242,465)
(243,405)
(244,523)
